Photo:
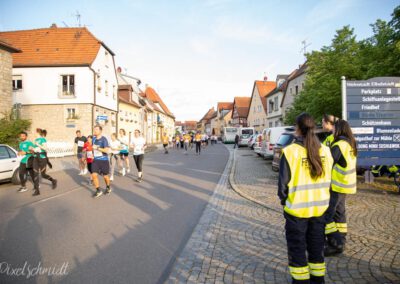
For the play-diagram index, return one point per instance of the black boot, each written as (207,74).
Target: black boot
(36,192)
(54,184)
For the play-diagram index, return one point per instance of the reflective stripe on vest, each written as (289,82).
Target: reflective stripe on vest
(344,179)
(307,197)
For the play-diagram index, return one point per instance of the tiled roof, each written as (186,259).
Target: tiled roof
(264,89)
(242,105)
(208,114)
(224,105)
(54,46)
(7,46)
(152,95)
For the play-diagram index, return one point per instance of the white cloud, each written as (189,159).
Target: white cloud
(202,45)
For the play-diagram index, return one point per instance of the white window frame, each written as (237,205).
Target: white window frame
(15,79)
(68,93)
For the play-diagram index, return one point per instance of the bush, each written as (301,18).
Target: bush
(10,128)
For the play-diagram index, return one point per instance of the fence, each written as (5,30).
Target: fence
(59,149)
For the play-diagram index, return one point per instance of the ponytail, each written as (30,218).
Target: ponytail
(306,126)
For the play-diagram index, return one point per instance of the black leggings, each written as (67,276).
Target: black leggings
(23,174)
(198,147)
(39,167)
(138,161)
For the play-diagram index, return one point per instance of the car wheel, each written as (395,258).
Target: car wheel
(15,177)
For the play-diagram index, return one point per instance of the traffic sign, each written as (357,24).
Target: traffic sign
(372,108)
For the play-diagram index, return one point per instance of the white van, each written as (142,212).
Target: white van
(229,134)
(244,135)
(269,138)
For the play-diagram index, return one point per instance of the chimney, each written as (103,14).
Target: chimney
(119,69)
(265,78)
(53,26)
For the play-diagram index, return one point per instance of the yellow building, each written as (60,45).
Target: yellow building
(130,115)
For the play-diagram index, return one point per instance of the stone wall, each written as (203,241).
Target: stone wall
(5,82)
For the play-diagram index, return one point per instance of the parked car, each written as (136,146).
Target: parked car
(286,139)
(251,142)
(9,164)
(257,144)
(270,138)
(244,135)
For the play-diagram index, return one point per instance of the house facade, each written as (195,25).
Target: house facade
(257,115)
(240,111)
(295,84)
(204,124)
(6,82)
(68,81)
(223,108)
(273,101)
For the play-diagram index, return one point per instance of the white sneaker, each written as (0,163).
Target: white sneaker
(123,172)
(85,171)
(80,173)
(111,178)
(128,170)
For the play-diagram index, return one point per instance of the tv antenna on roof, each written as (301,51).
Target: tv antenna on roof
(78,18)
(304,46)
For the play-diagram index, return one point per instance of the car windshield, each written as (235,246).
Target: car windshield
(247,132)
(232,130)
(285,139)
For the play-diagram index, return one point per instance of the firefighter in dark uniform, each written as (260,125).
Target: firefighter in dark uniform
(303,188)
(344,181)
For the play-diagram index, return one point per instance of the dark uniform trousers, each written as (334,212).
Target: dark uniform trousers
(336,226)
(306,235)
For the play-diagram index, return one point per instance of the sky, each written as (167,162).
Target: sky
(196,53)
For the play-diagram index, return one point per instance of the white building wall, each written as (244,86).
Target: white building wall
(106,94)
(43,85)
(274,116)
(291,92)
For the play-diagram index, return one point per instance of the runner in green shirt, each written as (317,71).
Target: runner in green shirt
(26,149)
(41,161)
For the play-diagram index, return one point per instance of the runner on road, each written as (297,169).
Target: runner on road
(138,145)
(186,141)
(78,145)
(88,154)
(165,140)
(101,164)
(197,140)
(26,150)
(124,153)
(115,157)
(41,160)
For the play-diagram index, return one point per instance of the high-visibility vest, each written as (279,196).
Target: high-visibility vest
(329,140)
(307,197)
(344,179)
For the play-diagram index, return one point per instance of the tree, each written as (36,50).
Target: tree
(10,128)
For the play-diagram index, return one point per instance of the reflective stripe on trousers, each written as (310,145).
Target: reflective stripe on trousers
(317,269)
(300,273)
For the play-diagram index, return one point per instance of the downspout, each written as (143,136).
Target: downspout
(94,97)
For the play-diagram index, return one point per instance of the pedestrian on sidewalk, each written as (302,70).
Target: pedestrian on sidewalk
(26,165)
(78,146)
(115,157)
(138,145)
(165,140)
(88,154)
(236,141)
(328,122)
(197,139)
(124,153)
(101,163)
(303,188)
(40,159)
(344,181)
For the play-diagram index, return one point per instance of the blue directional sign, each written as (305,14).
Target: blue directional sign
(373,112)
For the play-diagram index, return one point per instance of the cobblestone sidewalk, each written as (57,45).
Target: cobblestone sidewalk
(238,241)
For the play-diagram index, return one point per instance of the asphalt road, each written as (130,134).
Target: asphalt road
(130,236)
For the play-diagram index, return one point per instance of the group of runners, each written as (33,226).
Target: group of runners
(98,156)
(187,140)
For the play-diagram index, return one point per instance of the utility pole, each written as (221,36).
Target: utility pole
(304,46)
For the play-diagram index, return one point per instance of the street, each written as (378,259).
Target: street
(133,235)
